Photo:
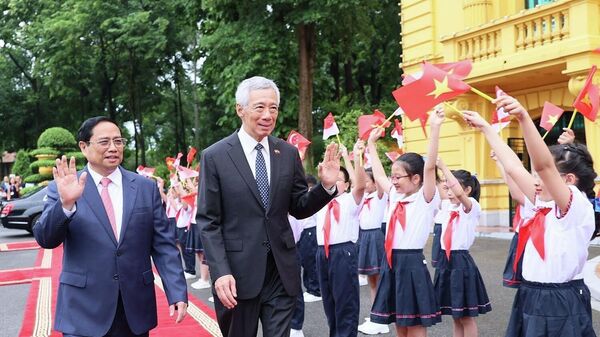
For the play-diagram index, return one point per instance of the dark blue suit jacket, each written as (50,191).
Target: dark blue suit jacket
(96,267)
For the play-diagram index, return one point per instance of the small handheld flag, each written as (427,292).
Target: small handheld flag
(330,128)
(299,142)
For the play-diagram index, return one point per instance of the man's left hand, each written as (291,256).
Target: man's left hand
(329,168)
(181,311)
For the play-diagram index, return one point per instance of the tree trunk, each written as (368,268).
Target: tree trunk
(196,102)
(334,70)
(307,55)
(348,85)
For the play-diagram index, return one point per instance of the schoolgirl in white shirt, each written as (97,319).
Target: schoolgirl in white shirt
(458,284)
(337,232)
(552,299)
(405,294)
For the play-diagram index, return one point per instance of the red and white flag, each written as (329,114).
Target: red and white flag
(299,142)
(147,172)
(186,173)
(173,180)
(398,133)
(177,160)
(330,128)
(500,118)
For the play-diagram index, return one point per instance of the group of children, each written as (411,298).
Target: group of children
(554,222)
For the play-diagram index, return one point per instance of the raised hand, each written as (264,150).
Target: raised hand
(475,120)
(436,118)
(359,146)
(511,106)
(375,135)
(329,168)
(69,186)
(567,137)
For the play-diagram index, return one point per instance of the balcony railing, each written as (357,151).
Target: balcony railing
(542,26)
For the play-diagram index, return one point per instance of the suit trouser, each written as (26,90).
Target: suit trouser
(298,317)
(338,277)
(307,245)
(273,306)
(119,327)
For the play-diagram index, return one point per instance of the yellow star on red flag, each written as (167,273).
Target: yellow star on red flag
(552,119)
(440,87)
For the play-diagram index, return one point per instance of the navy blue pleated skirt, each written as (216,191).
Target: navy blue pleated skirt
(193,242)
(436,245)
(370,251)
(459,286)
(510,278)
(551,309)
(405,294)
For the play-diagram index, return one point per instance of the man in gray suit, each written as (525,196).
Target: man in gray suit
(249,182)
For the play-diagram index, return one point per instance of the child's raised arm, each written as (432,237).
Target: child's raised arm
(513,188)
(435,120)
(360,176)
(541,158)
(455,187)
(509,160)
(348,163)
(381,179)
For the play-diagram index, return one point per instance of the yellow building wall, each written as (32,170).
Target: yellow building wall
(536,55)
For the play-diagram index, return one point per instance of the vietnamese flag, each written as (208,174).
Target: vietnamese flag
(550,115)
(460,70)
(500,118)
(191,155)
(170,161)
(587,101)
(434,87)
(299,142)
(398,133)
(366,123)
(330,128)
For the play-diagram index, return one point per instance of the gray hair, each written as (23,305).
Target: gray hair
(242,94)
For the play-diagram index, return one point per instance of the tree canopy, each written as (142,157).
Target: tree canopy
(167,70)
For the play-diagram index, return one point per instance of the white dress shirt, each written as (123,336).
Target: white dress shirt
(115,191)
(463,230)
(347,228)
(419,219)
(248,145)
(566,241)
(371,216)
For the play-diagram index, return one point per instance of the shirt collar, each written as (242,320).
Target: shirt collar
(249,143)
(115,177)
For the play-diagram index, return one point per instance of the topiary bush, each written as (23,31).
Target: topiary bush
(58,138)
(41,163)
(37,178)
(44,150)
(21,165)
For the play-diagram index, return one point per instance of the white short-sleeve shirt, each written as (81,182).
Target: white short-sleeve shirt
(419,219)
(347,228)
(297,227)
(566,242)
(371,215)
(439,216)
(463,230)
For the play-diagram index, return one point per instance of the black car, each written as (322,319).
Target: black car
(22,213)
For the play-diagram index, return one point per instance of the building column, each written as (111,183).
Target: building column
(476,12)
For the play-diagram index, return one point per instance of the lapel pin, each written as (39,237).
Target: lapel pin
(276,151)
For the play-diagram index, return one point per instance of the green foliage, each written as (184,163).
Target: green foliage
(44,150)
(79,157)
(42,163)
(29,190)
(37,178)
(58,138)
(21,165)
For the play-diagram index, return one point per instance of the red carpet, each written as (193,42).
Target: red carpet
(39,309)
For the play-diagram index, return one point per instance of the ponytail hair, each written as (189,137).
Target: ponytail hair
(575,158)
(466,179)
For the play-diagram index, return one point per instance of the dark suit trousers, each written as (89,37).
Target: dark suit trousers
(119,327)
(273,306)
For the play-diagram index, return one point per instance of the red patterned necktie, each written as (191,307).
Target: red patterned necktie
(454,218)
(534,229)
(399,215)
(335,207)
(108,206)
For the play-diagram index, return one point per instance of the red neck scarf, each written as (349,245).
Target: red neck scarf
(454,218)
(534,229)
(399,215)
(335,207)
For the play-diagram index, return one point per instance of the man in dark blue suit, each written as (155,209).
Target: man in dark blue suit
(111,223)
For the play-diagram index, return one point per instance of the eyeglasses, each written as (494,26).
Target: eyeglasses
(259,108)
(105,143)
(399,177)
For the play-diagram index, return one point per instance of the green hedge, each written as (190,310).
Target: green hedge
(21,165)
(36,178)
(58,138)
(39,163)
(44,150)
(79,157)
